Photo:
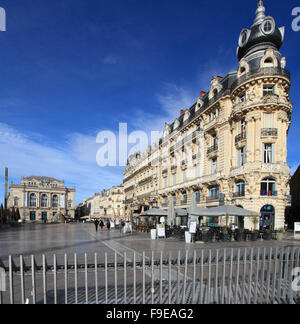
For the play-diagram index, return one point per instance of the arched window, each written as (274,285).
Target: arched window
(44,201)
(55,201)
(268,187)
(32,200)
(240,188)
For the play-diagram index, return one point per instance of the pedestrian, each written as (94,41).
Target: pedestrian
(108,224)
(101,224)
(122,225)
(96,222)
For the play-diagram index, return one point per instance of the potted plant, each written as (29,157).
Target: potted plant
(225,234)
(240,235)
(267,235)
(279,234)
(254,235)
(204,236)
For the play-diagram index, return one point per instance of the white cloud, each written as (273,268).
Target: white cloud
(74,163)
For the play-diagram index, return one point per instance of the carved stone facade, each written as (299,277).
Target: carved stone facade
(231,146)
(42,199)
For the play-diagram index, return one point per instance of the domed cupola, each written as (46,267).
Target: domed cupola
(263,35)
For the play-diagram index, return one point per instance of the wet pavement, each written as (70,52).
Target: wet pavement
(39,239)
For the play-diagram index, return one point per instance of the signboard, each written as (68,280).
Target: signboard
(112,224)
(161,231)
(193,227)
(297,227)
(162,220)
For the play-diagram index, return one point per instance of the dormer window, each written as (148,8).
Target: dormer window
(268,90)
(268,27)
(242,98)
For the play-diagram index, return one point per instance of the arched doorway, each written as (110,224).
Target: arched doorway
(267,217)
(240,220)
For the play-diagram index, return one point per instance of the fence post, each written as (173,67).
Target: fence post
(125,278)
(45,268)
(66,279)
(33,279)
(11,267)
(250,276)
(55,278)
(22,279)
(96,278)
(76,278)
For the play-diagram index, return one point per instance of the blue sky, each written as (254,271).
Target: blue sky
(72,68)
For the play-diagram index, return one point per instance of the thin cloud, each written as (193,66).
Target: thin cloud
(24,156)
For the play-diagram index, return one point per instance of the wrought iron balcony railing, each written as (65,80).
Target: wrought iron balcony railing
(267,132)
(239,194)
(212,149)
(240,137)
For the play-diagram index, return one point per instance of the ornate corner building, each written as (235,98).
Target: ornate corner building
(230,147)
(42,199)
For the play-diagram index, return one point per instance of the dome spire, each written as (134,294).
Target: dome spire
(260,13)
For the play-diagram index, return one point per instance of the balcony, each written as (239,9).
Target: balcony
(183,202)
(212,149)
(165,204)
(239,138)
(269,132)
(239,194)
(146,180)
(174,168)
(213,198)
(270,71)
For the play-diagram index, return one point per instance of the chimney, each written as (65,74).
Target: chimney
(6,188)
(202,93)
(182,112)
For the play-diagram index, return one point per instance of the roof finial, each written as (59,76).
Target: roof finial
(260,13)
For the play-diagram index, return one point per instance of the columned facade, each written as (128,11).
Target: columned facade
(42,198)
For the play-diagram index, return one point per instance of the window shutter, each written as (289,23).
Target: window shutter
(268,120)
(239,157)
(273,153)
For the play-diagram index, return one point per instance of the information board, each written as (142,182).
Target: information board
(161,230)
(193,227)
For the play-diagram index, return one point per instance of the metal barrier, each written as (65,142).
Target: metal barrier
(227,276)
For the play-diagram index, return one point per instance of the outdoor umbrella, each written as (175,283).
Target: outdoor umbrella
(229,210)
(154,212)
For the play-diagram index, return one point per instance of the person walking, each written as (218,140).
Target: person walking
(122,225)
(96,223)
(101,224)
(108,224)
